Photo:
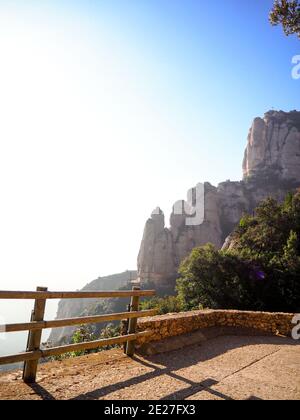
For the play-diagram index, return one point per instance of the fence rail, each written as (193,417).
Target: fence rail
(68,322)
(75,295)
(38,324)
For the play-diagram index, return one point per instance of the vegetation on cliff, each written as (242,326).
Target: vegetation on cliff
(85,307)
(163,305)
(259,270)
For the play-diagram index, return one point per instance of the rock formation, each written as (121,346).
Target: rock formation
(271,167)
(274,145)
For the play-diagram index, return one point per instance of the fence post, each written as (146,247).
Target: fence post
(34,338)
(124,328)
(134,306)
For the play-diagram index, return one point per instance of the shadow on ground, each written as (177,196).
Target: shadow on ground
(170,363)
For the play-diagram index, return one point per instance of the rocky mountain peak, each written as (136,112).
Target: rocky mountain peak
(274,146)
(271,167)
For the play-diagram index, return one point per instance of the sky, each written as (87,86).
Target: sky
(110,108)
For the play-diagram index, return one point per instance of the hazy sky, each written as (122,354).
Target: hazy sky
(110,108)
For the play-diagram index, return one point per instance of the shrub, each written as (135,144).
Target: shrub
(260,271)
(164,305)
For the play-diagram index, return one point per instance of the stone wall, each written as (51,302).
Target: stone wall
(174,325)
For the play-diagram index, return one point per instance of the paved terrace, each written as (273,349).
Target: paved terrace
(223,368)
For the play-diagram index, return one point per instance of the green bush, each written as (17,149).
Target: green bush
(110,331)
(164,305)
(87,333)
(82,335)
(260,271)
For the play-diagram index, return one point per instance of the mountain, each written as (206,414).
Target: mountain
(83,307)
(271,167)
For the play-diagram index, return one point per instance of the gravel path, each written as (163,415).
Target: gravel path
(224,368)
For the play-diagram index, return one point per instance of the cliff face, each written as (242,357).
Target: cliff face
(73,308)
(274,145)
(271,167)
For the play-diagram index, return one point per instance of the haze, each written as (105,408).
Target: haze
(110,108)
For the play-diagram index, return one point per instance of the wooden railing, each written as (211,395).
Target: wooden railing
(38,324)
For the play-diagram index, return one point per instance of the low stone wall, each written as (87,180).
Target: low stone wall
(172,325)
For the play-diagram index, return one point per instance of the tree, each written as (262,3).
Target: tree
(287,14)
(260,270)
(216,280)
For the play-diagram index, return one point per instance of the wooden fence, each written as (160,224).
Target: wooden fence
(38,324)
